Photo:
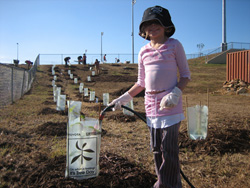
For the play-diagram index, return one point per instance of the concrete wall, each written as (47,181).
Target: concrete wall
(222,58)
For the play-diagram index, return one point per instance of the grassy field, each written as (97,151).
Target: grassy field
(33,133)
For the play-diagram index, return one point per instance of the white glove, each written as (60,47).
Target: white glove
(171,100)
(122,100)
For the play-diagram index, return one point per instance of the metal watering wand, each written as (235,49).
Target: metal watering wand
(102,114)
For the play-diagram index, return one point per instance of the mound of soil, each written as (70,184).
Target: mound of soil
(219,142)
(115,78)
(48,102)
(115,171)
(121,118)
(125,89)
(52,129)
(47,111)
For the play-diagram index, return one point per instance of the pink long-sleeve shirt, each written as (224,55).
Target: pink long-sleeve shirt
(158,70)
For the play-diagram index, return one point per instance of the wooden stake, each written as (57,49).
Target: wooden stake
(207,97)
(186,106)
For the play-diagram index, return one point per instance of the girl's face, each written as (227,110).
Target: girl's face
(154,29)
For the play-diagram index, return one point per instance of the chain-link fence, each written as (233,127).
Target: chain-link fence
(15,82)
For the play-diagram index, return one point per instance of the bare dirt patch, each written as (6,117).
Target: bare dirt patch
(33,133)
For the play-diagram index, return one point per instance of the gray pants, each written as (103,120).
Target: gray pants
(164,143)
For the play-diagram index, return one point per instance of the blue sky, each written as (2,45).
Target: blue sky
(73,26)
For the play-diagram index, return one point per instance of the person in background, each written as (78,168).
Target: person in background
(79,59)
(104,58)
(159,62)
(97,66)
(28,62)
(84,59)
(66,59)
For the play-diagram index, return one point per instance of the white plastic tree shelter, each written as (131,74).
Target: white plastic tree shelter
(92,96)
(75,80)
(80,89)
(57,93)
(88,78)
(105,99)
(60,103)
(86,92)
(130,104)
(197,121)
(83,144)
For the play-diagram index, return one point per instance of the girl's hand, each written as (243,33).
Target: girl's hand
(122,100)
(171,100)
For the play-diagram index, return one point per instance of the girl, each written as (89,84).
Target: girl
(158,64)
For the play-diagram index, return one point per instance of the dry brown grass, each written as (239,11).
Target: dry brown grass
(31,137)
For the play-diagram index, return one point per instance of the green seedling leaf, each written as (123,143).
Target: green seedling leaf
(82,117)
(76,123)
(91,127)
(71,109)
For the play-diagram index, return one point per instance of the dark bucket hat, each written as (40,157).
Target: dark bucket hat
(160,14)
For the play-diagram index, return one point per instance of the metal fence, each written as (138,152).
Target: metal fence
(228,46)
(55,59)
(238,66)
(15,82)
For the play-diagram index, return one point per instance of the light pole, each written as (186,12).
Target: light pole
(133,2)
(200,46)
(224,42)
(17,51)
(101,45)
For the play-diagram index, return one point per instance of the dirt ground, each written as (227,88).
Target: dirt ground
(33,132)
